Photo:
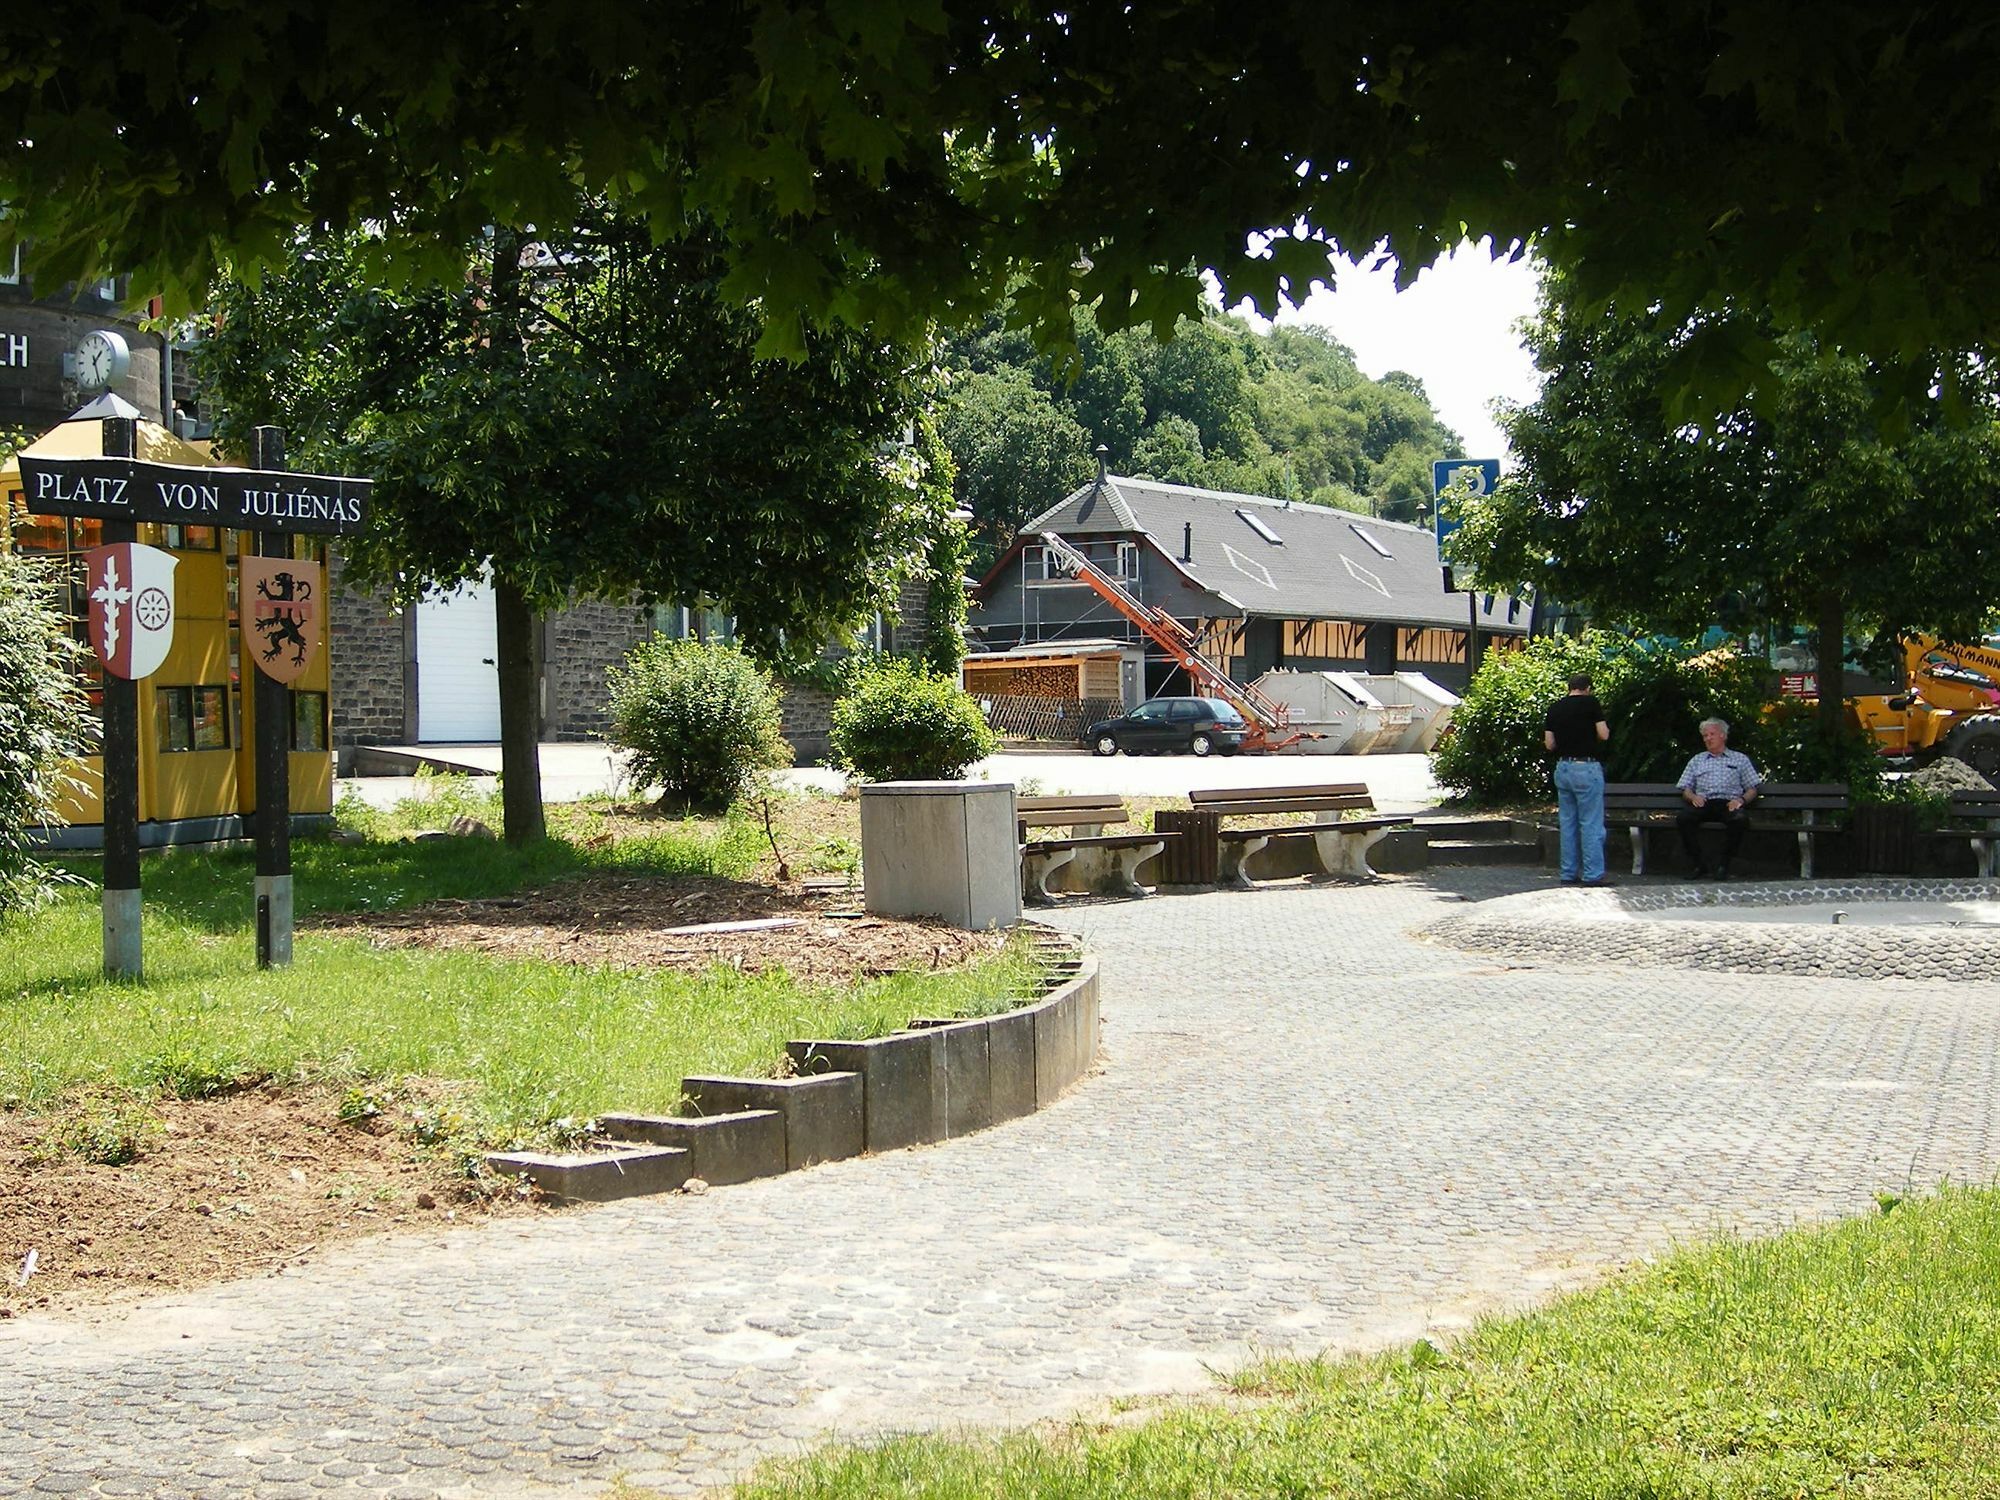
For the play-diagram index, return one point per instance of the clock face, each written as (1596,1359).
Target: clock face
(101,358)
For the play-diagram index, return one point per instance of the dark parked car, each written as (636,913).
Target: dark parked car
(1200,726)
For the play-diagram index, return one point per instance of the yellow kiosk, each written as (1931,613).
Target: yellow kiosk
(196,716)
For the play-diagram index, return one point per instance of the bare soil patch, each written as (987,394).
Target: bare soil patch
(221,1189)
(631,922)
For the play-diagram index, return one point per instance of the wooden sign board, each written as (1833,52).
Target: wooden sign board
(124,489)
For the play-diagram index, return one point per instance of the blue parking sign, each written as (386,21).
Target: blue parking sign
(1479,475)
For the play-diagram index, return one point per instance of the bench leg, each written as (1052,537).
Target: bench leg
(1342,853)
(1982,857)
(1638,848)
(1035,872)
(1229,861)
(1129,861)
(1805,854)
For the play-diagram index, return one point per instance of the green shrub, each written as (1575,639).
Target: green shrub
(699,720)
(44,718)
(1655,696)
(901,723)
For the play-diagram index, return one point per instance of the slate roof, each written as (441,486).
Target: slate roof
(1323,564)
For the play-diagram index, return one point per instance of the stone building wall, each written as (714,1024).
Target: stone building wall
(579,645)
(369,648)
(913,616)
(807,716)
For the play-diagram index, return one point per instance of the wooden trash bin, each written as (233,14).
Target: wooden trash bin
(1191,858)
(1885,838)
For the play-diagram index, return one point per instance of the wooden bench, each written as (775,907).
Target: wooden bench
(1639,805)
(1084,816)
(1342,847)
(1982,811)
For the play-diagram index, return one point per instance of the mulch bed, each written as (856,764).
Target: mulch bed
(630,922)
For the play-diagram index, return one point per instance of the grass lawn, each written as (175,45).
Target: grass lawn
(1861,1359)
(539,1043)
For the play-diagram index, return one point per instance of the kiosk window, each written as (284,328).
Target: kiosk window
(191,718)
(194,538)
(309,721)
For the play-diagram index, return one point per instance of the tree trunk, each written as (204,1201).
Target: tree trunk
(1829,647)
(520,714)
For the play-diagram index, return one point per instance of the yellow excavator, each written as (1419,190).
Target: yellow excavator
(1949,706)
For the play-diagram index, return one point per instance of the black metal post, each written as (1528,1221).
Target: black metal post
(124,954)
(273,718)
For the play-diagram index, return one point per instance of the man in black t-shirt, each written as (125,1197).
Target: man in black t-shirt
(1575,730)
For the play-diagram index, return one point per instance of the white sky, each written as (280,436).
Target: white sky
(1453,329)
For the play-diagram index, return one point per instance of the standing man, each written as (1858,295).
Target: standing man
(1718,786)
(1575,730)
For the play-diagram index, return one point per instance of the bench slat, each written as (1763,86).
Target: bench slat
(1072,819)
(1301,804)
(1202,796)
(1311,830)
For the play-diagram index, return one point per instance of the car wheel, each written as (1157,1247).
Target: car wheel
(1201,744)
(1105,745)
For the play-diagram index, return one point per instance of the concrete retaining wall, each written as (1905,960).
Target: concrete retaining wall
(932,1082)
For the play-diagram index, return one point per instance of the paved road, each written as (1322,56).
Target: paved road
(1308,1131)
(1399,783)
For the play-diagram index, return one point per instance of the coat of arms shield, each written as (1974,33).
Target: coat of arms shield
(131,593)
(281,615)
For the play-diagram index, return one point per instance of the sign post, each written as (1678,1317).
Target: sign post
(1477,476)
(131,624)
(124,952)
(274,743)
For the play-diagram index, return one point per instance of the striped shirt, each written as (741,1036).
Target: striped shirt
(1727,775)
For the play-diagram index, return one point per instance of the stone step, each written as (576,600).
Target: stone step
(1484,852)
(597,1177)
(723,1148)
(1469,830)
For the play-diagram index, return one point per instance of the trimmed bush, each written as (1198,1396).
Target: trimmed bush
(699,720)
(44,718)
(901,723)
(1655,696)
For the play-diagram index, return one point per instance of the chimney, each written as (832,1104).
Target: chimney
(1187,541)
(1103,463)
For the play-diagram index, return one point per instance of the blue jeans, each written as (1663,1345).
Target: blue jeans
(1580,802)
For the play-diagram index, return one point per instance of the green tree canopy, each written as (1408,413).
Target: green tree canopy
(582,413)
(1283,412)
(1798,506)
(890,162)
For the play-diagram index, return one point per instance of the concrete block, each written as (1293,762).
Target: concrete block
(968,1077)
(1066,1027)
(1055,1047)
(597,1178)
(823,1117)
(1401,852)
(722,1148)
(905,1094)
(1010,1064)
(944,849)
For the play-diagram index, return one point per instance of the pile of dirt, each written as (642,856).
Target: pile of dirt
(643,922)
(217,1189)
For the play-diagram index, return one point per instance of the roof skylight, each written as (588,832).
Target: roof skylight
(1370,538)
(1260,528)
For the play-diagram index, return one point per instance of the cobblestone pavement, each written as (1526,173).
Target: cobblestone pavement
(1308,1130)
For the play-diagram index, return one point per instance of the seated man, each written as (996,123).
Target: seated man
(1718,786)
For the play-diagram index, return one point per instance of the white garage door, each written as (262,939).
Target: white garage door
(458,687)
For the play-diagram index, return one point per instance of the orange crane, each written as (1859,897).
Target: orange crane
(1269,726)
